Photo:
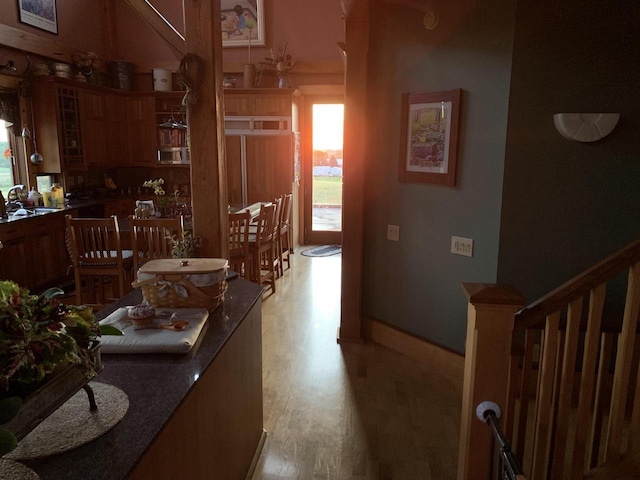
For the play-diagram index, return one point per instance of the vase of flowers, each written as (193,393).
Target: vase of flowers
(278,64)
(42,343)
(185,246)
(162,202)
(88,64)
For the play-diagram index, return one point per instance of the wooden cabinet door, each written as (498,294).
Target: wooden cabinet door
(47,250)
(234,169)
(117,147)
(45,127)
(94,128)
(13,254)
(271,104)
(237,104)
(141,131)
(269,167)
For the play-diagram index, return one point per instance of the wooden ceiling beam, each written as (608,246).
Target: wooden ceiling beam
(161,25)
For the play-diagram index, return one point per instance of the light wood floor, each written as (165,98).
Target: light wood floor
(351,411)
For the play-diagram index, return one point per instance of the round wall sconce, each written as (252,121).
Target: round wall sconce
(585,127)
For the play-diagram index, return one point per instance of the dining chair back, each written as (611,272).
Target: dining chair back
(261,248)
(239,259)
(151,238)
(285,243)
(96,253)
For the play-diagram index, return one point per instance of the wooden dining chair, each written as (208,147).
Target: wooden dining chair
(239,258)
(285,243)
(151,238)
(94,245)
(261,248)
(278,202)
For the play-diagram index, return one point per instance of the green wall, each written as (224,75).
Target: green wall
(414,284)
(567,205)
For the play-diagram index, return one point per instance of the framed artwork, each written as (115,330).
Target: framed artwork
(430,137)
(242,23)
(39,13)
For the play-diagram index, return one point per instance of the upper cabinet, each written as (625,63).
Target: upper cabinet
(83,127)
(57,126)
(257,102)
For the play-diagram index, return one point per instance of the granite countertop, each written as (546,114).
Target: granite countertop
(156,384)
(69,205)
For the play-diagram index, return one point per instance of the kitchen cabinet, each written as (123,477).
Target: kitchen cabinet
(48,253)
(57,126)
(140,130)
(257,101)
(34,252)
(14,262)
(94,117)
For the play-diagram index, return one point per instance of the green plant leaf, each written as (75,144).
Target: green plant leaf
(9,408)
(8,441)
(110,330)
(52,292)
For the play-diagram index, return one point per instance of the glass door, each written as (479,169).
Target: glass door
(323,181)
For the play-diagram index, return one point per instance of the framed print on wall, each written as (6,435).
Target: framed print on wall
(39,13)
(430,137)
(242,22)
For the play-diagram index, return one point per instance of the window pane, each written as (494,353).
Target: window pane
(6,172)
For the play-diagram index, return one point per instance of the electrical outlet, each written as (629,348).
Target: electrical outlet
(462,246)
(393,233)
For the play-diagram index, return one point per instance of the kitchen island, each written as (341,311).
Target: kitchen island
(192,416)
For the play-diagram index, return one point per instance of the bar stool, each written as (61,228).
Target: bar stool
(96,253)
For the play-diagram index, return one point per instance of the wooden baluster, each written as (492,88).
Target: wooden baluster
(544,407)
(603,390)
(528,374)
(488,352)
(623,366)
(560,449)
(587,382)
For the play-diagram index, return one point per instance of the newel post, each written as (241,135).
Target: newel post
(486,370)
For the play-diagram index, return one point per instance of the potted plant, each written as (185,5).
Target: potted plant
(42,339)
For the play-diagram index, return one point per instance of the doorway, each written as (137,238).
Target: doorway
(323,172)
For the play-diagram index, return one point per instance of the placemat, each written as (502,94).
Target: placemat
(154,340)
(73,424)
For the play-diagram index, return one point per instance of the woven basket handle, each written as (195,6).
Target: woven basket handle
(139,283)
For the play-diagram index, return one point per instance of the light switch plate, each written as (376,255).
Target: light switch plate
(393,233)
(462,246)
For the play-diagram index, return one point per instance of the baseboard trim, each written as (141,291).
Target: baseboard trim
(448,361)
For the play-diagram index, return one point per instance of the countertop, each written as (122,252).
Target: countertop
(156,384)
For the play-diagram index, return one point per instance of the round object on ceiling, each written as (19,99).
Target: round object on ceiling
(430,20)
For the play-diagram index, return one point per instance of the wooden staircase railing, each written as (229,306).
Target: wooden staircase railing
(564,371)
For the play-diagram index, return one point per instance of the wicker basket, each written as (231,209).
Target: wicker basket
(169,283)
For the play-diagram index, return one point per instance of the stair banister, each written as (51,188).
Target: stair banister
(486,371)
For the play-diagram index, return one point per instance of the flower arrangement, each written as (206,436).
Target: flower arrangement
(162,201)
(278,63)
(86,62)
(38,334)
(186,246)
